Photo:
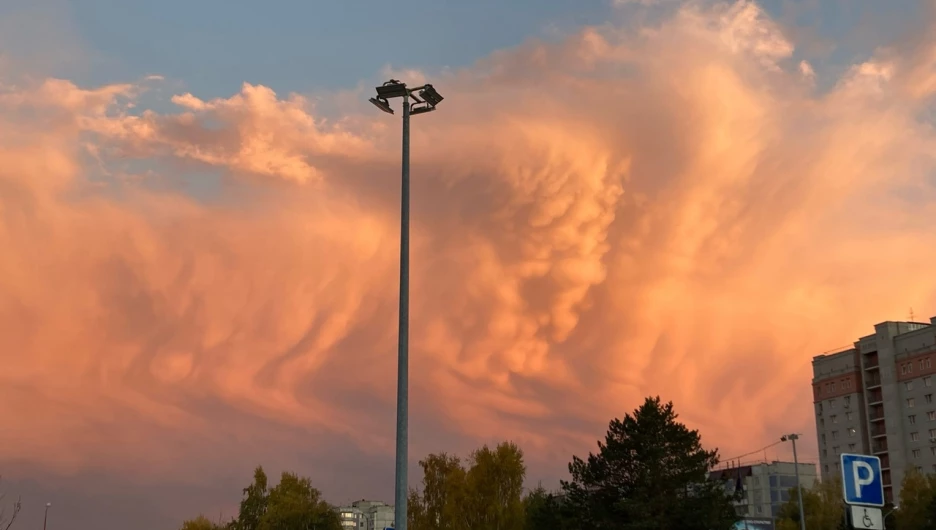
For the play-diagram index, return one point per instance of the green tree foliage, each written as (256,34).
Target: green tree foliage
(916,501)
(254,503)
(295,505)
(822,505)
(543,511)
(201,523)
(487,494)
(651,472)
(441,506)
(495,488)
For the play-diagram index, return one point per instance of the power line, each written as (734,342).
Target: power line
(761,450)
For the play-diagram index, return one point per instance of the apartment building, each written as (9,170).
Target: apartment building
(366,515)
(766,487)
(877,398)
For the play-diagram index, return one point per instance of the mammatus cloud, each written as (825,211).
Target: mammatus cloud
(675,211)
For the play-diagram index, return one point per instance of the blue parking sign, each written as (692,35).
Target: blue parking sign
(861,480)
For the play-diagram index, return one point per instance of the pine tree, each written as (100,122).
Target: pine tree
(651,472)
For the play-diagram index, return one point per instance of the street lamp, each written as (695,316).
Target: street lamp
(888,514)
(425,100)
(46,518)
(799,486)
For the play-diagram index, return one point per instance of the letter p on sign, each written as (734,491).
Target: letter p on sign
(862,479)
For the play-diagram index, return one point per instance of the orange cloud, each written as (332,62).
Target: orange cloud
(676,211)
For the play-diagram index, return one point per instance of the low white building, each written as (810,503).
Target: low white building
(766,485)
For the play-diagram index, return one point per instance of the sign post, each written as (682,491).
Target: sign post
(863,490)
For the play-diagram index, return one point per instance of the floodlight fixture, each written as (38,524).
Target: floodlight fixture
(392,89)
(429,94)
(381,104)
(421,109)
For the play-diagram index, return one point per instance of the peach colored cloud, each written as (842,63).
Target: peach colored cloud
(676,211)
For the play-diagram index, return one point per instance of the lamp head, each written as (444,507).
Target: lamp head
(431,96)
(381,104)
(392,89)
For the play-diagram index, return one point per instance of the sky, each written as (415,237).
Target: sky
(199,213)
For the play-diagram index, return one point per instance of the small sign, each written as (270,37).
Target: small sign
(861,480)
(864,517)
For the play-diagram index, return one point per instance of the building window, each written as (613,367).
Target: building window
(832,404)
(909,385)
(821,422)
(819,408)
(933,451)
(851,447)
(916,453)
(827,467)
(848,416)
(910,403)
(911,418)
(929,398)
(851,431)
(931,415)
(833,386)
(915,436)
(835,435)
(927,381)
(823,437)
(836,466)
(834,418)
(835,449)
(826,453)
(932,434)
(847,401)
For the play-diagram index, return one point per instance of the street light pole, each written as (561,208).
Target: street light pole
(46,518)
(799,485)
(402,426)
(426,98)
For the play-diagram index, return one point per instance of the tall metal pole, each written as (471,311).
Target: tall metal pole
(799,485)
(46,518)
(402,427)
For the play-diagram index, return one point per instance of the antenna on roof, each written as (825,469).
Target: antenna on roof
(911,314)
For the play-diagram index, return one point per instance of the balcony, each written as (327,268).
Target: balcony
(885,461)
(879,446)
(876,413)
(873,381)
(875,396)
(878,430)
(871,361)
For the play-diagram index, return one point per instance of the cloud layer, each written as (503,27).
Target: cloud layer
(674,211)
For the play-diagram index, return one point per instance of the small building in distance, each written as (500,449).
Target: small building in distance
(366,515)
(766,487)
